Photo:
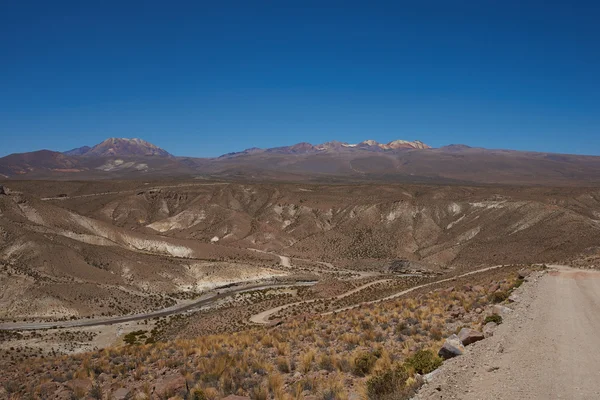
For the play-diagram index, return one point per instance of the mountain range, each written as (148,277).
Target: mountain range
(367,161)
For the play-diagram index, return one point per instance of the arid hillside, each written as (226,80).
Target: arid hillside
(443,226)
(56,263)
(68,247)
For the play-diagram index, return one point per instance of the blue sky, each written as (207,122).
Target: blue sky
(204,78)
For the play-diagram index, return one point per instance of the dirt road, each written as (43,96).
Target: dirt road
(182,307)
(263,317)
(546,349)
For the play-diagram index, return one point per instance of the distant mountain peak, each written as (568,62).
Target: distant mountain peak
(78,151)
(335,146)
(120,147)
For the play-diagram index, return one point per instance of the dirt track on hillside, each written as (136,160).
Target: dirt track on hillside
(546,349)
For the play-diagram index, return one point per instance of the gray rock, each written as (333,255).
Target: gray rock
(489,328)
(468,336)
(120,394)
(513,298)
(431,376)
(523,273)
(452,347)
(501,310)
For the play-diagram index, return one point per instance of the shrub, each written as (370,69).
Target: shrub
(96,392)
(199,395)
(518,283)
(423,361)
(363,364)
(326,362)
(283,365)
(493,318)
(498,296)
(388,384)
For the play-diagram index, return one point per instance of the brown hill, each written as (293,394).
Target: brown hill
(42,161)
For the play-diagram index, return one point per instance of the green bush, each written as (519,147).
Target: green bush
(389,384)
(423,362)
(493,318)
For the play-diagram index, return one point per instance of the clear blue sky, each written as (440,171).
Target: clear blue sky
(202,78)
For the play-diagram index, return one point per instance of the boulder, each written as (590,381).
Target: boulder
(431,376)
(523,273)
(172,384)
(80,384)
(48,390)
(452,347)
(2,190)
(501,310)
(468,336)
(489,328)
(120,394)
(456,312)
(493,288)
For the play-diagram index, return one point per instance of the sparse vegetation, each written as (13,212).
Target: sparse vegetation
(493,318)
(382,347)
(423,362)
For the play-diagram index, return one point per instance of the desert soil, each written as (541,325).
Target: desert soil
(545,349)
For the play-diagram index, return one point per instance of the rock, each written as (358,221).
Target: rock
(2,190)
(120,394)
(513,298)
(431,376)
(274,323)
(48,390)
(468,336)
(478,310)
(489,328)
(523,273)
(174,384)
(500,348)
(452,347)
(501,310)
(457,312)
(493,288)
(82,384)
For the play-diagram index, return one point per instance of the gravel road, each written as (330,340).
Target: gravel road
(203,301)
(546,349)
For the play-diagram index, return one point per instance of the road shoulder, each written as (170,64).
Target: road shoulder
(462,377)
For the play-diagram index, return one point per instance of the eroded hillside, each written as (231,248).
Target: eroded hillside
(437,225)
(74,249)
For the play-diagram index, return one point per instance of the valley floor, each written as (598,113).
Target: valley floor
(546,349)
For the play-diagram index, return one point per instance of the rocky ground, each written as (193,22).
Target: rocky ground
(544,349)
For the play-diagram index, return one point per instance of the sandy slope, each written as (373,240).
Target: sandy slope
(546,349)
